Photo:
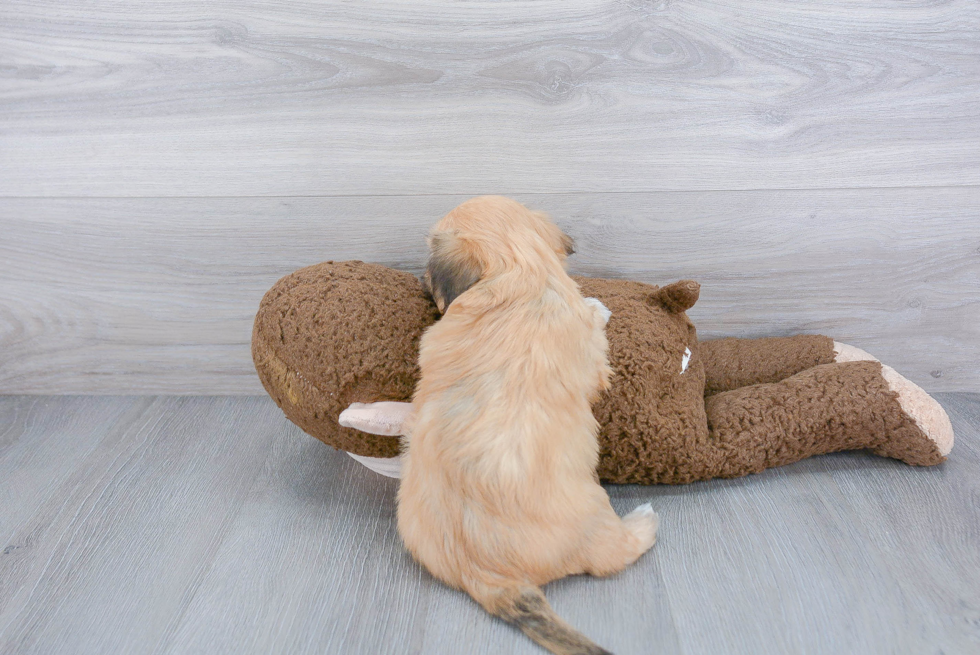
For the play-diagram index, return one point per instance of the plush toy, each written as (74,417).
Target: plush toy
(338,342)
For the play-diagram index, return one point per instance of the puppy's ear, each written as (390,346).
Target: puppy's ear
(568,243)
(561,243)
(454,267)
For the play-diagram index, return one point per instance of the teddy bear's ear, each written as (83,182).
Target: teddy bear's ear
(454,266)
(677,297)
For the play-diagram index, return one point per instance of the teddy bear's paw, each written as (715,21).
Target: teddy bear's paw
(928,414)
(390,467)
(386,418)
(845,353)
(643,522)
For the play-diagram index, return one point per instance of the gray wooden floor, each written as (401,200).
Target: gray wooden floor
(212,525)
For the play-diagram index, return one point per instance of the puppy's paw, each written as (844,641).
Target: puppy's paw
(600,309)
(643,523)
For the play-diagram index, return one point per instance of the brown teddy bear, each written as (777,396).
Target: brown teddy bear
(336,346)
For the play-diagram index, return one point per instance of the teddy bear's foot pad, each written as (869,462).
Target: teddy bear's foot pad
(928,414)
(846,353)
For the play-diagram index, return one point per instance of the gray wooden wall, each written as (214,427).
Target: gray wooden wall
(816,165)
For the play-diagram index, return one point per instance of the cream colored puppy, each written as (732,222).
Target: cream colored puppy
(498,493)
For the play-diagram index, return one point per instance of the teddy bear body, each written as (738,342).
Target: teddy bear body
(678,410)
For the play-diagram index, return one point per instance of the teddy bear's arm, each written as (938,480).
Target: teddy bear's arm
(734,363)
(384,418)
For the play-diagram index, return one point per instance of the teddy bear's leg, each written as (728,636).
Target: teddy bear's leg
(827,408)
(928,414)
(734,363)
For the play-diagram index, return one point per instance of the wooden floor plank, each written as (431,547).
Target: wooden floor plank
(776,564)
(105,567)
(43,442)
(158,295)
(285,97)
(842,553)
(211,525)
(934,559)
(311,564)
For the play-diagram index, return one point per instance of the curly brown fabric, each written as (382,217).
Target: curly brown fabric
(651,407)
(337,333)
(824,409)
(734,363)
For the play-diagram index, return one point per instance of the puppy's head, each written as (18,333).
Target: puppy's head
(486,237)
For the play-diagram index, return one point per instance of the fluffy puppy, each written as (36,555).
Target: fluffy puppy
(498,493)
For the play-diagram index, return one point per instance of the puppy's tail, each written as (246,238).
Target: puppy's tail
(527,608)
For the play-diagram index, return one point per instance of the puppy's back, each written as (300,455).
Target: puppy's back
(498,494)
(513,378)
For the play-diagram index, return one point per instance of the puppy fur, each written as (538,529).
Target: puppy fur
(498,493)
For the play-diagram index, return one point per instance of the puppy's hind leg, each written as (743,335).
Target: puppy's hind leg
(622,541)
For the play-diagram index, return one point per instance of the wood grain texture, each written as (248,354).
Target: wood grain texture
(127,536)
(146,296)
(212,525)
(42,443)
(851,554)
(278,97)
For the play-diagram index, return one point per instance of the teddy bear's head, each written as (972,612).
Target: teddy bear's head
(337,333)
